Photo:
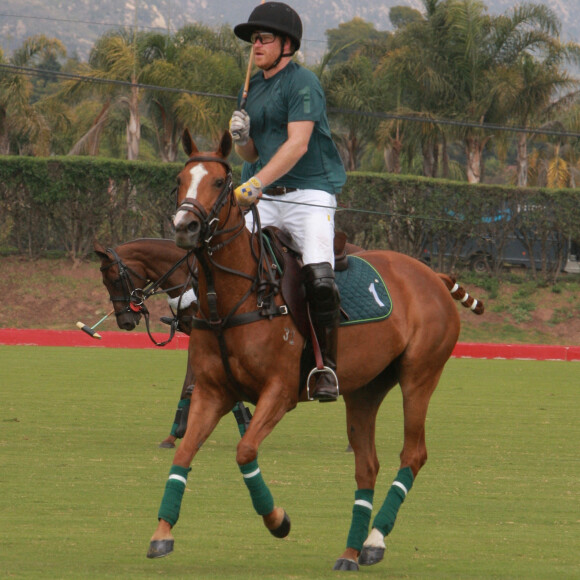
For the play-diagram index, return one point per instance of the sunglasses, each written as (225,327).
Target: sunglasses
(263,37)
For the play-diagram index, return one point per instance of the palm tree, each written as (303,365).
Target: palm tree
(482,49)
(459,62)
(351,86)
(533,86)
(414,68)
(115,57)
(23,126)
(199,60)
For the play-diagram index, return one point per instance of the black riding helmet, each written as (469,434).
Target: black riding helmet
(272,17)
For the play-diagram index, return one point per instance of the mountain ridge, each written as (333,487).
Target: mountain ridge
(78,23)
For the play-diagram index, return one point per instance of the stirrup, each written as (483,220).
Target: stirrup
(317,371)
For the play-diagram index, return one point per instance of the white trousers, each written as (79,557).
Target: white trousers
(307,215)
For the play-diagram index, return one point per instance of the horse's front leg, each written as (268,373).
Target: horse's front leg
(208,407)
(272,405)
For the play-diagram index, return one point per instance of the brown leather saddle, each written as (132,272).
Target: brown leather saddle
(289,261)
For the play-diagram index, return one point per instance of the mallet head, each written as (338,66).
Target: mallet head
(88,330)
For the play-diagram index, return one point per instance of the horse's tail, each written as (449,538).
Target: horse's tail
(459,293)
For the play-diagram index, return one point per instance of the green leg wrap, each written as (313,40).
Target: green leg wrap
(385,519)
(182,407)
(361,518)
(259,492)
(174,488)
(243,417)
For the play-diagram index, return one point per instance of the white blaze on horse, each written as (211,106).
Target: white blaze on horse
(240,350)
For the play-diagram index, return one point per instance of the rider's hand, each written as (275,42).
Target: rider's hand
(250,192)
(240,127)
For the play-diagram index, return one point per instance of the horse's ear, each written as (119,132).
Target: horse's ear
(100,250)
(188,143)
(225,147)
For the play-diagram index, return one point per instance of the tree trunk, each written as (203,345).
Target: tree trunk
(522,161)
(474,146)
(4,140)
(445,157)
(392,156)
(473,153)
(430,161)
(134,125)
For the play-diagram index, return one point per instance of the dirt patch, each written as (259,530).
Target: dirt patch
(54,294)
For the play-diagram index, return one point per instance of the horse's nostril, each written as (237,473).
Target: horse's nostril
(193,227)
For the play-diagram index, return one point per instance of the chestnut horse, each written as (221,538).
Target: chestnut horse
(136,270)
(240,350)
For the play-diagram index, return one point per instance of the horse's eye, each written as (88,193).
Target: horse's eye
(220,182)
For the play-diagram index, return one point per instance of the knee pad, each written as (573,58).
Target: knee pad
(321,289)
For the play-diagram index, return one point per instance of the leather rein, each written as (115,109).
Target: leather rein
(136,297)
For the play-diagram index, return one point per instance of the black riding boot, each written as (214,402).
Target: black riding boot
(324,302)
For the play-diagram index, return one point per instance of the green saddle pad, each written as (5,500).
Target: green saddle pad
(363,294)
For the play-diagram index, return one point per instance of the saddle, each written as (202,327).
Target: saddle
(289,260)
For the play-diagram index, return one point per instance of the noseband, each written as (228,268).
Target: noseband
(209,221)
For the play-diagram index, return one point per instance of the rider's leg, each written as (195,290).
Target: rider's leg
(324,302)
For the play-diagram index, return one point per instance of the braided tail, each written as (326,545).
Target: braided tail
(459,293)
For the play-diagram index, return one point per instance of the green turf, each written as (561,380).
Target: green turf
(81,476)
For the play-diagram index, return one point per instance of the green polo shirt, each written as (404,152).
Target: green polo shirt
(294,94)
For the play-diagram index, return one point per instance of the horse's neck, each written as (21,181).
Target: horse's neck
(229,278)
(155,260)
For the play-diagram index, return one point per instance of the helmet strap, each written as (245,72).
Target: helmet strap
(282,54)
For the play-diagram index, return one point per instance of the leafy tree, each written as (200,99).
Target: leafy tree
(533,86)
(199,60)
(351,86)
(343,42)
(24,126)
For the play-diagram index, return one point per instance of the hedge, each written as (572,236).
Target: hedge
(62,204)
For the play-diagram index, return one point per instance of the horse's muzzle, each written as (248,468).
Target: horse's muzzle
(187,234)
(128,320)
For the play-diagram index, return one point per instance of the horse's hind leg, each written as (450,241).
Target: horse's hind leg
(417,393)
(361,411)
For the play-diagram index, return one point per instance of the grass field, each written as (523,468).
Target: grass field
(81,476)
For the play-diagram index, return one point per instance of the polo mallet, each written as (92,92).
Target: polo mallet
(90,330)
(247,83)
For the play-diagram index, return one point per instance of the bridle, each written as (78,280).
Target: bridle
(265,283)
(135,297)
(209,222)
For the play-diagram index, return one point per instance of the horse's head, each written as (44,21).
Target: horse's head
(204,193)
(123,285)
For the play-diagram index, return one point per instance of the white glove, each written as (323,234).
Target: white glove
(240,127)
(249,192)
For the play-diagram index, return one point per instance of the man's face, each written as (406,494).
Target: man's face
(267,47)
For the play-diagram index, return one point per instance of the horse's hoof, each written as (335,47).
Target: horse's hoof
(346,565)
(283,529)
(160,548)
(371,555)
(166,445)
